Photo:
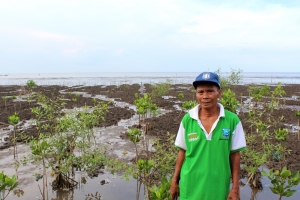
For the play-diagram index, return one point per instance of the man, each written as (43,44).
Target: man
(209,140)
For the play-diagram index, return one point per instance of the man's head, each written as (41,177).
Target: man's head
(207,77)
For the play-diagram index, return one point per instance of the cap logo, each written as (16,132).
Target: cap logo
(206,76)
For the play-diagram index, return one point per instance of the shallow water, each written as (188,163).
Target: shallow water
(116,187)
(69,79)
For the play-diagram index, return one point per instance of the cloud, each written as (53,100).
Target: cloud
(151,30)
(119,52)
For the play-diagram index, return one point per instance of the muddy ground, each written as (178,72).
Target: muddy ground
(159,126)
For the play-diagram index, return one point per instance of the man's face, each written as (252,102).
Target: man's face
(207,95)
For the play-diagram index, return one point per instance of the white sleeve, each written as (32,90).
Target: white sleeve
(180,139)
(238,138)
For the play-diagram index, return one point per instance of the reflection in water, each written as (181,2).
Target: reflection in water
(64,194)
(254,193)
(19,192)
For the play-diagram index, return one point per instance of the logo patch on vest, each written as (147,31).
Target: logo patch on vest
(193,137)
(225,133)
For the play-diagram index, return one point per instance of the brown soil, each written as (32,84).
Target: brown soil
(160,125)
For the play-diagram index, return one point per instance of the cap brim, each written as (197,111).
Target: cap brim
(196,83)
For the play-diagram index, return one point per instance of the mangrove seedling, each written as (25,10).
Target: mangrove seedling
(7,184)
(161,191)
(14,120)
(180,95)
(281,134)
(283,181)
(187,105)
(4,99)
(160,89)
(30,83)
(229,101)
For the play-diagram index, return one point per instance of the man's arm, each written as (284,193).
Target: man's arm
(174,190)
(235,174)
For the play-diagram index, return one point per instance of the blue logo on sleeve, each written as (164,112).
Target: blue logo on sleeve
(226,133)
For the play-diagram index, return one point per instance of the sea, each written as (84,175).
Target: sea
(118,78)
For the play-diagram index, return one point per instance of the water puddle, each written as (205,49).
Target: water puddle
(110,187)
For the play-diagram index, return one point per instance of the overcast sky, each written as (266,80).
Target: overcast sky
(70,36)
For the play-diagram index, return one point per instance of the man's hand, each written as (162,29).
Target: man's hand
(233,195)
(174,190)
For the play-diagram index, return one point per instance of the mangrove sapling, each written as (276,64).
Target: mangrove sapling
(94,100)
(152,168)
(30,84)
(161,191)
(14,120)
(264,126)
(283,181)
(297,113)
(234,78)
(180,95)
(134,135)
(187,105)
(64,141)
(7,184)
(278,92)
(229,101)
(160,89)
(5,100)
(143,105)
(281,134)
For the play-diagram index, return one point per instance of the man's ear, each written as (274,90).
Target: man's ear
(220,93)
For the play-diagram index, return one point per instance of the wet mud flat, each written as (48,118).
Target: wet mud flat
(112,131)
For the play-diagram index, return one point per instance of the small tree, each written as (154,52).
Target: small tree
(160,89)
(283,181)
(5,100)
(31,83)
(7,184)
(14,120)
(229,101)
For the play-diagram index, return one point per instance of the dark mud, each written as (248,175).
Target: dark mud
(158,126)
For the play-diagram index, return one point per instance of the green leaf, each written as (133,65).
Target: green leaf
(280,189)
(274,190)
(285,173)
(295,175)
(290,193)
(264,173)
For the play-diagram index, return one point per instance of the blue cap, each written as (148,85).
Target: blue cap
(207,77)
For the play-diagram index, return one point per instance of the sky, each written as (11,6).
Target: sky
(76,36)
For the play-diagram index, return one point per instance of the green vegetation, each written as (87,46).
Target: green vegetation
(5,100)
(161,191)
(180,95)
(7,184)
(14,120)
(229,101)
(234,78)
(160,89)
(144,105)
(283,181)
(66,141)
(187,105)
(31,83)
(264,127)
(59,135)
(152,169)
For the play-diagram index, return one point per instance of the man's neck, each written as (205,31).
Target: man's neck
(208,113)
